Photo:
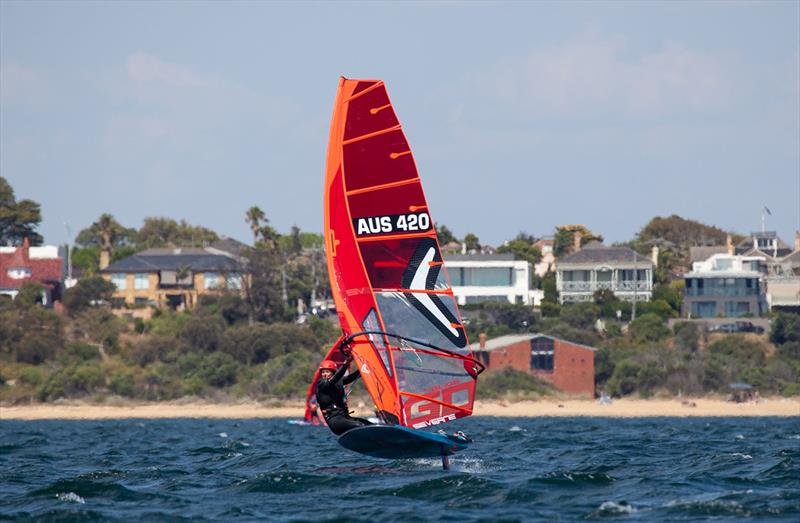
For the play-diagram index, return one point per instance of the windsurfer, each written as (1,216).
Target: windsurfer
(331,396)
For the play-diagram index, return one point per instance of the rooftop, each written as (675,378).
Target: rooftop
(595,252)
(511,339)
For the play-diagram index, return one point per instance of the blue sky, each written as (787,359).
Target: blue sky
(522,116)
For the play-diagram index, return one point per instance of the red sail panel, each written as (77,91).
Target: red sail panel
(386,268)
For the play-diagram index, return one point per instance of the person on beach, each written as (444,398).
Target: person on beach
(331,396)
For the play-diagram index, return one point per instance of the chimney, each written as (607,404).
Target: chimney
(482,340)
(797,240)
(729,244)
(654,255)
(105,259)
(576,241)
(26,250)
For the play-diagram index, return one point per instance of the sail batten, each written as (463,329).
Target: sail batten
(390,285)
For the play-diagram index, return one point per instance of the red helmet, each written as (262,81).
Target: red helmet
(328,365)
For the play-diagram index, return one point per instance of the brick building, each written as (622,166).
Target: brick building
(22,264)
(568,366)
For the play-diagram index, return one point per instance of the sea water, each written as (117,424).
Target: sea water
(545,469)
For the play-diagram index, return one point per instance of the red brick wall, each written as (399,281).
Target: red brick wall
(573,369)
(573,365)
(517,356)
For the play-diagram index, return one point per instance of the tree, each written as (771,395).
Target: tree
(18,219)
(565,238)
(472,242)
(253,217)
(86,292)
(166,232)
(444,234)
(648,327)
(107,233)
(522,247)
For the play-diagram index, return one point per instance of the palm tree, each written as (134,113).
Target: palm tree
(253,216)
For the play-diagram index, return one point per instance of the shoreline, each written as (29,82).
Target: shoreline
(619,408)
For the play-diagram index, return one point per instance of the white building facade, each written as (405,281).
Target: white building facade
(477,278)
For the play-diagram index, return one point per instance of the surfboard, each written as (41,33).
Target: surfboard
(398,442)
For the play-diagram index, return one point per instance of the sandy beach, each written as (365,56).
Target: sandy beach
(621,408)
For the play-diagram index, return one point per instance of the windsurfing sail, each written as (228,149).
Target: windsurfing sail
(388,279)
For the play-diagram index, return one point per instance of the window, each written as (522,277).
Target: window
(479,299)
(140,300)
(120,280)
(704,309)
(724,265)
(141,281)
(212,280)
(234,281)
(734,309)
(542,350)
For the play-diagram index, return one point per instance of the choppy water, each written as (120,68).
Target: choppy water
(663,469)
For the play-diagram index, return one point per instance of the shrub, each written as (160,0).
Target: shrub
(785,328)
(648,327)
(87,377)
(550,310)
(218,370)
(37,347)
(82,351)
(687,336)
(122,383)
(580,315)
(324,331)
(31,376)
(152,349)
(625,378)
(247,344)
(203,332)
(290,374)
(508,381)
(86,292)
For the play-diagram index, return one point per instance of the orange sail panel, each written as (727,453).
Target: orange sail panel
(386,268)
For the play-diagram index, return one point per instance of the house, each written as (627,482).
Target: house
(173,278)
(548,261)
(490,277)
(595,267)
(22,264)
(763,243)
(568,366)
(726,285)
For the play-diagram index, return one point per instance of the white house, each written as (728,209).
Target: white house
(490,277)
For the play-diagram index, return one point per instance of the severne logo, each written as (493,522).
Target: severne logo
(421,274)
(364,369)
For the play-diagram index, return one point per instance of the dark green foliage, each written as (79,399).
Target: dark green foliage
(203,332)
(564,240)
(687,336)
(18,219)
(78,351)
(785,328)
(522,247)
(166,232)
(122,383)
(562,330)
(472,242)
(444,235)
(218,370)
(648,327)
(289,375)
(80,379)
(498,318)
(660,308)
(625,378)
(324,331)
(511,381)
(153,348)
(31,376)
(86,292)
(670,294)
(580,315)
(248,344)
(550,288)
(550,310)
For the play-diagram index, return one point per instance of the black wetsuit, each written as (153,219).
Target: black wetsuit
(330,396)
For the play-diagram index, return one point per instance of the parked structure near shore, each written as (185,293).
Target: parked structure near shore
(568,366)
